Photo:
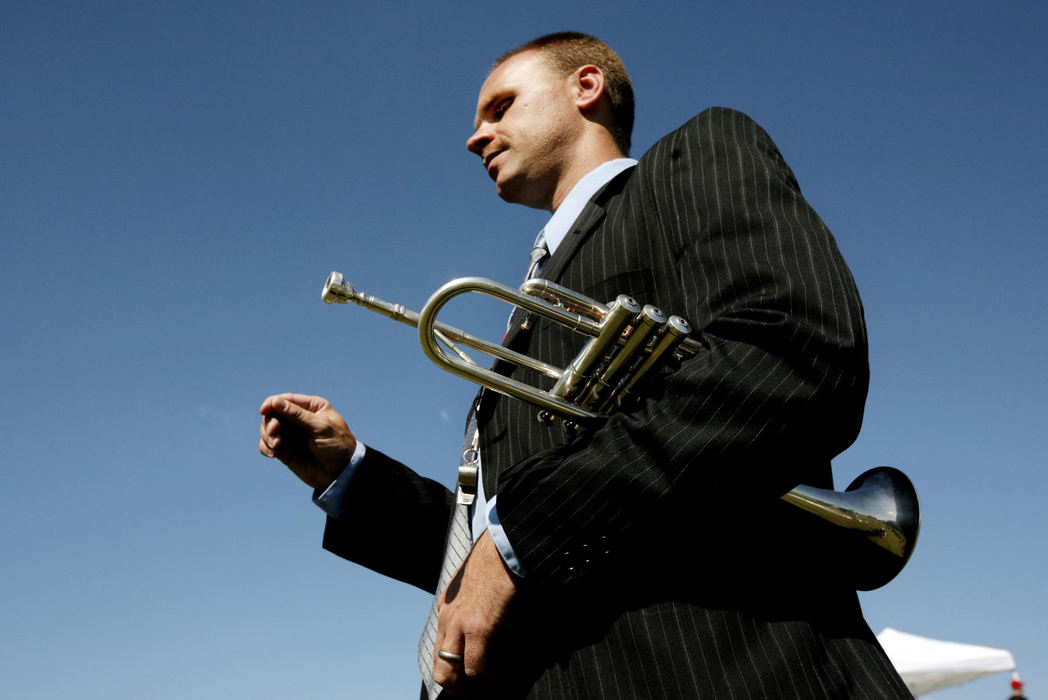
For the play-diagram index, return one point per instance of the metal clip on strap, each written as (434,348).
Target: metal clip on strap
(468,470)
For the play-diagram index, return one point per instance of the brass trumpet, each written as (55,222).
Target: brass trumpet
(880,508)
(626,341)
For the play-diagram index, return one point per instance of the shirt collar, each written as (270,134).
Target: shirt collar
(559,224)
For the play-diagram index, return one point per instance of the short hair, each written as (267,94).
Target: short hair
(567,51)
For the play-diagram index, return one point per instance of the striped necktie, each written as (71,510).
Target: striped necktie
(539,256)
(457,546)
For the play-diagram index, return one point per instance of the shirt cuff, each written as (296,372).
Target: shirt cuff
(330,500)
(498,535)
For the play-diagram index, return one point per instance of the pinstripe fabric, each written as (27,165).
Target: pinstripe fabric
(651,539)
(661,562)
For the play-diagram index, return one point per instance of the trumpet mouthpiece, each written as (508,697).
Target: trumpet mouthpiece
(337,290)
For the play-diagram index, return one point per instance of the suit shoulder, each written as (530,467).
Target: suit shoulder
(715,135)
(717,116)
(714,124)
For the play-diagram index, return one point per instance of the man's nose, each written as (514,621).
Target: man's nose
(481,137)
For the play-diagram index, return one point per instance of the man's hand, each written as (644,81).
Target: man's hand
(472,608)
(307,435)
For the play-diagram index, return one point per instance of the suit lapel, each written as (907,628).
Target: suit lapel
(592,214)
(586,223)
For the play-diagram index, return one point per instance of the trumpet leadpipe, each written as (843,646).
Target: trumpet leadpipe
(338,291)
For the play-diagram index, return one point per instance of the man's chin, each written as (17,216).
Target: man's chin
(511,194)
(506,192)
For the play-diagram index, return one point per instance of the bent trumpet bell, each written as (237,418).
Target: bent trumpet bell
(880,510)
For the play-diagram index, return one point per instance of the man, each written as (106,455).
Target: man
(648,555)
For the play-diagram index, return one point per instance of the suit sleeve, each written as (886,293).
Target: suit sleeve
(393,521)
(779,390)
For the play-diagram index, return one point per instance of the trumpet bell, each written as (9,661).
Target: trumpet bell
(877,517)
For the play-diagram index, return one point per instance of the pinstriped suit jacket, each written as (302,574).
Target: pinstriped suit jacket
(660,561)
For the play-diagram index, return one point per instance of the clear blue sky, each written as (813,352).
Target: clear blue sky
(177,179)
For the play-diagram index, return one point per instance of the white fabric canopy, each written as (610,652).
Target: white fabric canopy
(927,665)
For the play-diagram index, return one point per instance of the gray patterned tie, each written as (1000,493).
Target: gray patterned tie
(459,541)
(539,255)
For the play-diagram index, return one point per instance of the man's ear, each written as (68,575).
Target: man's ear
(589,86)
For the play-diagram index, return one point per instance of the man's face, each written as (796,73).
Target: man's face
(526,123)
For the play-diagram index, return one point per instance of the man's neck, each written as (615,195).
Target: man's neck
(572,205)
(590,156)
